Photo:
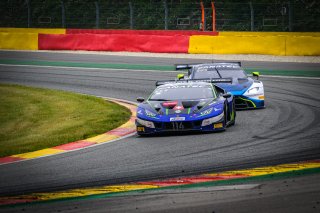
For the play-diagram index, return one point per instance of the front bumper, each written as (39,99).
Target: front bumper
(181,126)
(243,102)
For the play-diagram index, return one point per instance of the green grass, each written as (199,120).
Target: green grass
(34,118)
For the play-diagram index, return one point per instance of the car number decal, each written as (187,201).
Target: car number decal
(177,125)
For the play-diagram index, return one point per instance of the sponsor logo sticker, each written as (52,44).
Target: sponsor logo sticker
(178,119)
(218,125)
(217,109)
(140,129)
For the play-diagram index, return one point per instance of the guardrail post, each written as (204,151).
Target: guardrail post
(252,16)
(213,17)
(131,15)
(97,14)
(29,13)
(203,20)
(165,5)
(290,15)
(63,15)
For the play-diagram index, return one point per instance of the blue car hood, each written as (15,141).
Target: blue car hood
(238,85)
(188,110)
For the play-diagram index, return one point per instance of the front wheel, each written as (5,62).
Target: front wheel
(234,112)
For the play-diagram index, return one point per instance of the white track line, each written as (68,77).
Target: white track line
(88,68)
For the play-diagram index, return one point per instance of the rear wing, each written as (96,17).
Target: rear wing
(237,63)
(189,66)
(208,80)
(184,66)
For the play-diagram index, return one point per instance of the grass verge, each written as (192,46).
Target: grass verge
(34,118)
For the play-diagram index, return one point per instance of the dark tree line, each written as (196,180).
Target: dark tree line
(264,15)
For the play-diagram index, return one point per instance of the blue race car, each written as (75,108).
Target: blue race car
(177,106)
(249,93)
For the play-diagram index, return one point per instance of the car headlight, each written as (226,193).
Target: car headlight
(145,123)
(206,112)
(212,120)
(255,91)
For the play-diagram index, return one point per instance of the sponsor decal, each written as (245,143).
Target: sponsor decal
(150,114)
(140,129)
(218,125)
(177,125)
(178,119)
(206,112)
(217,109)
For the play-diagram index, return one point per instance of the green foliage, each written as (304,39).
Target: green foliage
(269,15)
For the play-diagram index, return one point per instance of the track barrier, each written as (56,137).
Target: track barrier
(247,33)
(303,45)
(19,41)
(23,38)
(115,42)
(162,41)
(270,43)
(33,30)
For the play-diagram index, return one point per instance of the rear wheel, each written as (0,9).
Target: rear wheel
(225,115)
(229,115)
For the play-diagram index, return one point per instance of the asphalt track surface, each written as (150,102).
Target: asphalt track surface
(288,130)
(294,195)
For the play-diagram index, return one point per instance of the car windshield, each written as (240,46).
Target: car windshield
(232,74)
(182,92)
(205,72)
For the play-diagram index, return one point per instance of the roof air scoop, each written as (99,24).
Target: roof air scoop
(189,104)
(157,108)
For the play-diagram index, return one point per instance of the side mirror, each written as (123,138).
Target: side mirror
(256,74)
(226,95)
(180,76)
(140,99)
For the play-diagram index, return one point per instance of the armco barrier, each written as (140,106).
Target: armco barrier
(303,45)
(161,41)
(273,45)
(140,32)
(23,38)
(257,43)
(19,41)
(114,42)
(247,33)
(33,30)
